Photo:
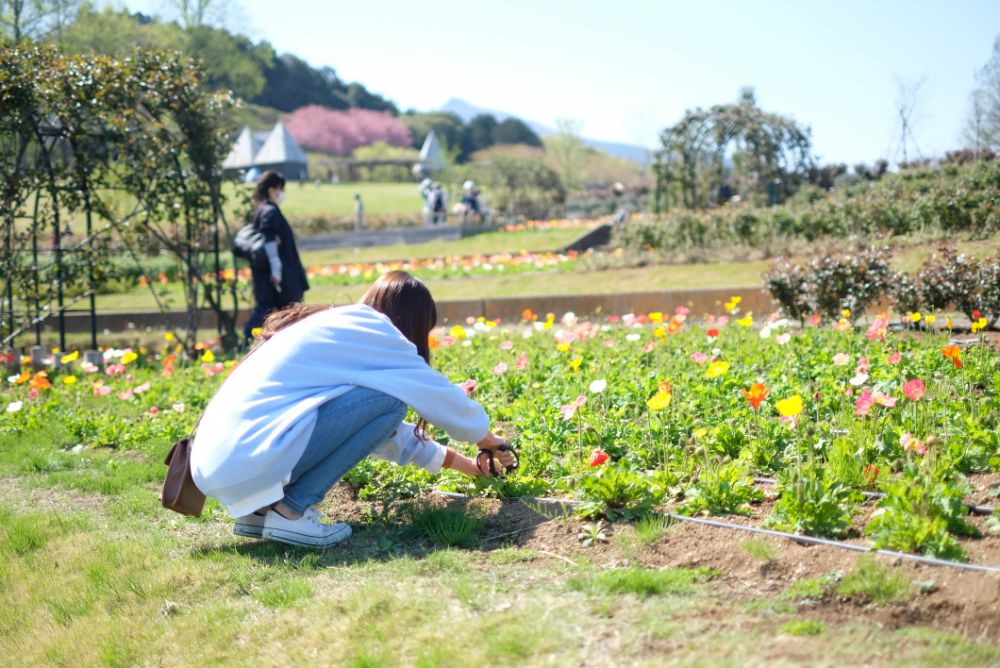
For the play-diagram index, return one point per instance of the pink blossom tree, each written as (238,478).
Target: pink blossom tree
(327,130)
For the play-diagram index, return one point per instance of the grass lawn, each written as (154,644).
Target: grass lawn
(94,572)
(485,243)
(304,199)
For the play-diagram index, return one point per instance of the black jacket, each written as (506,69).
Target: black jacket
(272,224)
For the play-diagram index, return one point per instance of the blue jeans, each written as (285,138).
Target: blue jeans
(347,429)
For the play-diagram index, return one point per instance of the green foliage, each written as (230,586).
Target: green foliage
(642,582)
(722,489)
(284,592)
(919,513)
(448,526)
(520,187)
(764,147)
(803,627)
(759,549)
(869,580)
(811,590)
(830,283)
(615,493)
(812,503)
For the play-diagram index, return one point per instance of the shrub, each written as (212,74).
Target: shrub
(722,489)
(617,494)
(832,283)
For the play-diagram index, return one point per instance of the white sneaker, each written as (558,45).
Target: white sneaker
(251,525)
(307,531)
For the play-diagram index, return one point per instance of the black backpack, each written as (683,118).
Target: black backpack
(248,243)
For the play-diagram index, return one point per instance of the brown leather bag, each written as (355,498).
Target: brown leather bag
(179,493)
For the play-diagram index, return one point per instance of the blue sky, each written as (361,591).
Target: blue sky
(627,69)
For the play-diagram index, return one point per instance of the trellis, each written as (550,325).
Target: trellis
(131,145)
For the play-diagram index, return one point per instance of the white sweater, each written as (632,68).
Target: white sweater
(257,425)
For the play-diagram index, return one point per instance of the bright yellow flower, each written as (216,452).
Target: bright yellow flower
(256,332)
(915,316)
(979,325)
(929,319)
(72,357)
(716,369)
(575,363)
(701,432)
(659,332)
(947,323)
(846,313)
(655,317)
(129,357)
(746,321)
(791,406)
(659,401)
(457,332)
(562,347)
(208,355)
(69,380)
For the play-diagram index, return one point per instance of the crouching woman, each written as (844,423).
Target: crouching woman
(327,387)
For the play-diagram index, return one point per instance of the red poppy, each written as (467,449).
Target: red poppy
(713,332)
(598,457)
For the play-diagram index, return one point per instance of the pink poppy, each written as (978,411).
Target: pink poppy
(914,390)
(894,358)
(506,345)
(521,362)
(682,310)
(569,410)
(648,348)
(841,359)
(608,343)
(699,357)
(500,369)
(469,386)
(864,403)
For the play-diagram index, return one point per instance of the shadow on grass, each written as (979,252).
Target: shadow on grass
(415,530)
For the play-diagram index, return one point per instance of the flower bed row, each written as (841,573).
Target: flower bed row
(632,411)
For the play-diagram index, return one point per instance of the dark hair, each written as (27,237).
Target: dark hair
(408,304)
(269,179)
(405,300)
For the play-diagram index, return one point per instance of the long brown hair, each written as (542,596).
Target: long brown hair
(405,300)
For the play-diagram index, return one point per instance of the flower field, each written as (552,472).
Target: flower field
(628,413)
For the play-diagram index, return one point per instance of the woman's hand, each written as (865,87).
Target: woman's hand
(493,442)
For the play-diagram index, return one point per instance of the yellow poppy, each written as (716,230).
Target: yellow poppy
(791,406)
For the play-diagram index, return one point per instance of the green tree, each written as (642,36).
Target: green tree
(116,32)
(515,131)
(447,126)
(982,129)
(23,20)
(229,61)
(479,133)
(566,151)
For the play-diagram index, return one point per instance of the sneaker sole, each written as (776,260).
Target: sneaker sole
(248,531)
(303,540)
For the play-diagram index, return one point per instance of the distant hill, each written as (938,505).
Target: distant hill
(466,111)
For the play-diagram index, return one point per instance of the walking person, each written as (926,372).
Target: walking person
(280,281)
(327,387)
(359,213)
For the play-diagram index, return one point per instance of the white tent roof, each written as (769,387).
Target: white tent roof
(430,153)
(243,151)
(280,148)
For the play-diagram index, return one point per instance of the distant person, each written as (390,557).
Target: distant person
(425,196)
(470,202)
(438,204)
(280,281)
(359,212)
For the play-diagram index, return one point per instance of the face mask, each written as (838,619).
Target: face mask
(280,198)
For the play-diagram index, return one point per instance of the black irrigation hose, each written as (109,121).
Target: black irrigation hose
(798,538)
(973,508)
